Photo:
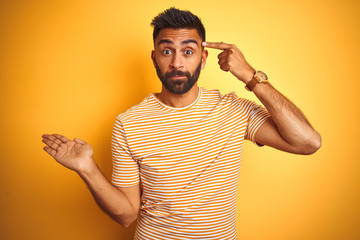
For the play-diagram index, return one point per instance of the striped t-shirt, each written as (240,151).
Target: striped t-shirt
(187,162)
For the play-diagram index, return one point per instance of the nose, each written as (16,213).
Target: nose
(176,61)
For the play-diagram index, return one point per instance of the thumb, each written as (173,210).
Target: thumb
(77,140)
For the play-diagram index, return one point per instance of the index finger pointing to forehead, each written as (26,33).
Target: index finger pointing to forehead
(217,45)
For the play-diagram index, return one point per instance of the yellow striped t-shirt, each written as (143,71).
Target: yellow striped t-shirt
(187,162)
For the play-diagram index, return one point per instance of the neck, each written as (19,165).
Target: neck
(178,100)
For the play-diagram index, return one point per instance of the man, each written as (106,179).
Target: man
(177,153)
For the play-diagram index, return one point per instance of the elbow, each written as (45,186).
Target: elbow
(125,224)
(312,145)
(125,221)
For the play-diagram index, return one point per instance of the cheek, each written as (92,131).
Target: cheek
(162,62)
(161,66)
(196,62)
(192,62)
(158,62)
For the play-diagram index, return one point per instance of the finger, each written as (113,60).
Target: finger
(77,140)
(50,151)
(225,67)
(50,143)
(224,54)
(48,136)
(52,138)
(61,138)
(217,45)
(222,61)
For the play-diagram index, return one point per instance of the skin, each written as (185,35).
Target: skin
(121,204)
(178,49)
(183,50)
(287,129)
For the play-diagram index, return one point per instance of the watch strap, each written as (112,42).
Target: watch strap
(250,86)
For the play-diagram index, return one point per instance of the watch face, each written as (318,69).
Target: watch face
(262,75)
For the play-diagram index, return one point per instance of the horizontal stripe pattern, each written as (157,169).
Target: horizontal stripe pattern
(187,161)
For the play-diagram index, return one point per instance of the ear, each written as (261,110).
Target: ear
(153,57)
(204,56)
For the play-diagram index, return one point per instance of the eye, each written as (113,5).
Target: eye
(166,52)
(188,52)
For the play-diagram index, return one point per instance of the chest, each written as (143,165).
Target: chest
(177,136)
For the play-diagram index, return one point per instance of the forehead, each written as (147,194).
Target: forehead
(178,35)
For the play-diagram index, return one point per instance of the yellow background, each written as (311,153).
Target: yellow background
(70,67)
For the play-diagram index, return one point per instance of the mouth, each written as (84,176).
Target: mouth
(177,77)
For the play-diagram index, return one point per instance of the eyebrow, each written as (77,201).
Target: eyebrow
(183,42)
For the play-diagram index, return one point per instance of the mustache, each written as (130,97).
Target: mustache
(177,73)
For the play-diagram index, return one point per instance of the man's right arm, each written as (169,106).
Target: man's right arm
(120,203)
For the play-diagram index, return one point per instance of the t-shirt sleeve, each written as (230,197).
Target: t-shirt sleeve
(257,116)
(125,168)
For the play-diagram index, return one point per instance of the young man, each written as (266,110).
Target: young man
(177,153)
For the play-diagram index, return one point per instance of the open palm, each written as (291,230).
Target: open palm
(74,155)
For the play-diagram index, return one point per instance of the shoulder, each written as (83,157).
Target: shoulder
(215,95)
(145,107)
(229,99)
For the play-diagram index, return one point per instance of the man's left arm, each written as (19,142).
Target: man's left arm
(287,129)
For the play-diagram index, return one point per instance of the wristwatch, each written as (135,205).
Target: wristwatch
(259,77)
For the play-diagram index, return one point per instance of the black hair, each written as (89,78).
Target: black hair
(175,18)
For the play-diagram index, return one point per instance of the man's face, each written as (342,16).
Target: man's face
(178,58)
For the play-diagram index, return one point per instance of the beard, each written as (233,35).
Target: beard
(179,86)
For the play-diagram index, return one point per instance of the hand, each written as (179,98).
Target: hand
(75,155)
(231,59)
